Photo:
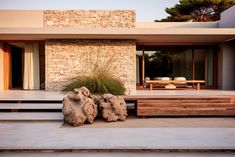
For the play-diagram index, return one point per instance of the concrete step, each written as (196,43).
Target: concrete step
(118,154)
(30,106)
(40,106)
(31,116)
(53,136)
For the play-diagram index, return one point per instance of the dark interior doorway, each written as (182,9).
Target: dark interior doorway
(16,67)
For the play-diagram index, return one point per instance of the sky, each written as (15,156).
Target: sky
(146,10)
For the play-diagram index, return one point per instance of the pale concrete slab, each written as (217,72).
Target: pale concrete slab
(22,116)
(53,136)
(157,122)
(31,106)
(42,106)
(118,154)
(131,122)
(55,96)
(30,95)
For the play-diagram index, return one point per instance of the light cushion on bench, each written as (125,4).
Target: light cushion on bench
(162,78)
(180,79)
(170,86)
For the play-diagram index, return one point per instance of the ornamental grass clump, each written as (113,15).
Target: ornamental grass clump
(97,84)
(100,81)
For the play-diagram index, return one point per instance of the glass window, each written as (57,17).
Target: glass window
(182,64)
(209,67)
(168,62)
(176,61)
(199,62)
(138,68)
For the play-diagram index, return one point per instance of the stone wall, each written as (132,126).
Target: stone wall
(66,59)
(89,18)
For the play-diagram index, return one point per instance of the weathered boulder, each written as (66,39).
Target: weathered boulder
(113,108)
(79,107)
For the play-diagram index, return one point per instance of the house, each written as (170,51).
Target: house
(44,49)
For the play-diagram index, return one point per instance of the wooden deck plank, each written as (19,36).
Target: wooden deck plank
(174,97)
(188,105)
(187,101)
(186,112)
(217,106)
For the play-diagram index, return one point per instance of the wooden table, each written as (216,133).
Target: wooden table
(151,82)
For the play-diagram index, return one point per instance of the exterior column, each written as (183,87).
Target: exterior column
(1,68)
(143,68)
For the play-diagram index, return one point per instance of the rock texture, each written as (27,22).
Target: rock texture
(89,18)
(79,107)
(65,59)
(113,108)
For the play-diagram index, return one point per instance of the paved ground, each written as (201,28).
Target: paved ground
(135,122)
(120,154)
(54,136)
(131,122)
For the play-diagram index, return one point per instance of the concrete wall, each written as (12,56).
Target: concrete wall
(89,18)
(66,59)
(21,18)
(226,66)
(1,67)
(163,25)
(227,19)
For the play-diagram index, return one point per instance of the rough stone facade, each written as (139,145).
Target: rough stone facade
(66,59)
(89,18)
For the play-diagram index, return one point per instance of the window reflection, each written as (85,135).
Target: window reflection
(193,63)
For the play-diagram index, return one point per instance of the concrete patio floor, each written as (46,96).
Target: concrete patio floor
(47,95)
(135,122)
(54,137)
(118,154)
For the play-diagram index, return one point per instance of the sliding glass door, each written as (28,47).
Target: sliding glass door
(193,63)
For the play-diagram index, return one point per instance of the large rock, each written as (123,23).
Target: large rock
(113,108)
(79,107)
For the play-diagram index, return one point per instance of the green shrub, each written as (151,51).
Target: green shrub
(99,83)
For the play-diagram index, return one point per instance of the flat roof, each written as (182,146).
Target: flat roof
(139,34)
(29,25)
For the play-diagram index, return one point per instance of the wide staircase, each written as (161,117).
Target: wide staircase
(31,127)
(31,110)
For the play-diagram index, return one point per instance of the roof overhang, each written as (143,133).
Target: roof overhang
(141,35)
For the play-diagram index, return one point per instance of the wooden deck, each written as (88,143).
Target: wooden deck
(187,106)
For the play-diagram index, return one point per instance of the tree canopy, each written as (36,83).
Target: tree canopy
(197,10)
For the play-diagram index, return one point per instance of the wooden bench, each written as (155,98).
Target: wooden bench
(152,82)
